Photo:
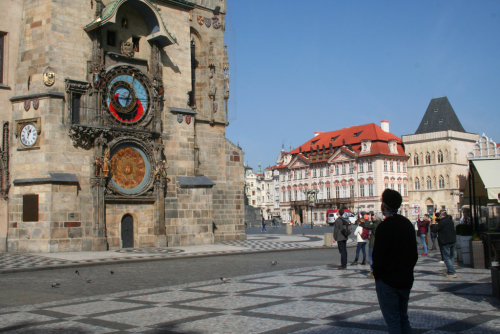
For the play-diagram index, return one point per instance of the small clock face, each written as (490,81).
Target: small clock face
(29,135)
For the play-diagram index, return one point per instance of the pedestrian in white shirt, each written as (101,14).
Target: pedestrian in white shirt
(362,235)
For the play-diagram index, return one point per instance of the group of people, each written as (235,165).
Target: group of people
(263,223)
(394,254)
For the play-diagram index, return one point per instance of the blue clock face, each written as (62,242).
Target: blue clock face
(127,97)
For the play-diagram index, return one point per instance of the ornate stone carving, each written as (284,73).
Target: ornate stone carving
(212,88)
(127,49)
(226,85)
(4,164)
(225,60)
(211,56)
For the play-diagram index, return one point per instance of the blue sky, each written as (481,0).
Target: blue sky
(304,66)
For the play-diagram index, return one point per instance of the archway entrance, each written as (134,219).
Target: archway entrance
(429,203)
(127,231)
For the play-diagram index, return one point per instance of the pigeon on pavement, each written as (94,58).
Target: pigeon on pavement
(77,272)
(88,280)
(273,263)
(112,272)
(55,285)
(225,280)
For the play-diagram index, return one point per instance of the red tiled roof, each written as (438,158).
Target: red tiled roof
(372,132)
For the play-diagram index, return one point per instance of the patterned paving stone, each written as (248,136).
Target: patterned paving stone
(13,319)
(293,291)
(171,296)
(65,327)
(151,316)
(308,309)
(233,287)
(231,324)
(231,302)
(467,302)
(342,282)
(93,308)
(489,327)
(337,329)
(283,279)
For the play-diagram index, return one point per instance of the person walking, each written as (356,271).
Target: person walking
(448,238)
(263,226)
(362,235)
(340,234)
(395,255)
(423,226)
(372,226)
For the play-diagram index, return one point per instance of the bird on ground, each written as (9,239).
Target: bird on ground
(303,234)
(112,272)
(77,272)
(225,280)
(273,263)
(88,280)
(55,285)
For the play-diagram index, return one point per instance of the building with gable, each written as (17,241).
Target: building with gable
(114,115)
(259,190)
(347,168)
(437,164)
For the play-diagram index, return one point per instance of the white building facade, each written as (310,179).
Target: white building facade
(347,168)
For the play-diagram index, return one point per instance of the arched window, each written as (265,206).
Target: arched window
(441,182)
(440,157)
(429,182)
(428,158)
(415,159)
(417,184)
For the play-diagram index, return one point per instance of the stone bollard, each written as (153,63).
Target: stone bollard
(289,229)
(328,240)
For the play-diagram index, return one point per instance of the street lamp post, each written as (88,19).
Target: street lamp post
(311,195)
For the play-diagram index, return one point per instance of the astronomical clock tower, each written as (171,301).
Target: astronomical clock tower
(116,136)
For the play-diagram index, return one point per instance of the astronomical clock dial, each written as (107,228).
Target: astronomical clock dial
(29,135)
(127,96)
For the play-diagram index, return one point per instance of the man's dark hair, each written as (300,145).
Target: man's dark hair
(392,199)
(426,215)
(443,214)
(341,212)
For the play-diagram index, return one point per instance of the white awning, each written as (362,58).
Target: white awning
(489,170)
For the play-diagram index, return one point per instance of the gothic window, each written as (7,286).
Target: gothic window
(2,47)
(415,159)
(111,38)
(417,184)
(440,157)
(135,43)
(76,100)
(428,158)
(429,183)
(441,182)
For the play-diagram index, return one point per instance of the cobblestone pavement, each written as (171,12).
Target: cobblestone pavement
(256,243)
(310,300)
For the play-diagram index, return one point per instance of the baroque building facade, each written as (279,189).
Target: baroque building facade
(259,190)
(347,168)
(437,164)
(114,118)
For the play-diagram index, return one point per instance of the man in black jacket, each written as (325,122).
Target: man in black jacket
(340,236)
(447,238)
(394,257)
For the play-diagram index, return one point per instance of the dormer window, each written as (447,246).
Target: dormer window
(334,138)
(366,146)
(314,142)
(393,146)
(358,133)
